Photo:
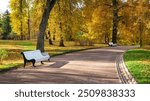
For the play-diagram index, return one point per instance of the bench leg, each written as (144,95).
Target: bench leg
(33,63)
(25,63)
(42,62)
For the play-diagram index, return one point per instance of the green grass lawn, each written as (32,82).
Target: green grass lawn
(138,63)
(16,47)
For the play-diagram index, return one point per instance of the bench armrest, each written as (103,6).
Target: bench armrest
(45,53)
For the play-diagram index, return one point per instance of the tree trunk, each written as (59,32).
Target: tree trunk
(61,37)
(50,41)
(21,33)
(115,21)
(141,31)
(61,44)
(28,23)
(54,37)
(46,36)
(106,37)
(40,41)
(54,34)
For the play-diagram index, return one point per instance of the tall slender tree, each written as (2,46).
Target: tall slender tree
(21,18)
(28,2)
(115,21)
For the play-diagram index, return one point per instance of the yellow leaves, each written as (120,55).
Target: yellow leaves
(96,15)
(13,4)
(94,19)
(148,25)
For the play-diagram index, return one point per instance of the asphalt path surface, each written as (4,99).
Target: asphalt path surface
(94,66)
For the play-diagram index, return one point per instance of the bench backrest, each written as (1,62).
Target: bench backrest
(32,54)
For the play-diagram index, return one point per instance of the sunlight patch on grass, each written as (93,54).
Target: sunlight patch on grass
(147,62)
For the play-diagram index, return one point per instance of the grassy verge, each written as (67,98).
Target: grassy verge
(138,63)
(16,47)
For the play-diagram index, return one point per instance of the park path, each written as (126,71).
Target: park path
(94,66)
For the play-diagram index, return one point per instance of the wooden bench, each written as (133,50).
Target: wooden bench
(111,44)
(35,56)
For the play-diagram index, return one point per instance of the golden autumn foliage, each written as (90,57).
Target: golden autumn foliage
(85,20)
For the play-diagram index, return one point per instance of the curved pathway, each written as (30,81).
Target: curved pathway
(94,66)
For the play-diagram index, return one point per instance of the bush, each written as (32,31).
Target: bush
(3,55)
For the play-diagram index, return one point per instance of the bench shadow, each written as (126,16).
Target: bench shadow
(59,64)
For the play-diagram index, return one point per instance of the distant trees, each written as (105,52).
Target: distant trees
(5,25)
(143,20)
(20,17)
(1,24)
(135,22)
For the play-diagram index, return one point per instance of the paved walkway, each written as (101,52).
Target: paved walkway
(95,66)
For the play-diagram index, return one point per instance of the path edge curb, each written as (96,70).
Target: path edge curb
(123,72)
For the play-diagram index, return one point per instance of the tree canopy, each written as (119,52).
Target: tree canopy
(86,22)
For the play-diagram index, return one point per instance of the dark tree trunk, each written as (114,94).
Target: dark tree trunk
(106,37)
(28,23)
(50,41)
(54,37)
(40,41)
(61,37)
(54,34)
(46,36)
(115,21)
(21,33)
(141,31)
(141,40)
(61,43)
